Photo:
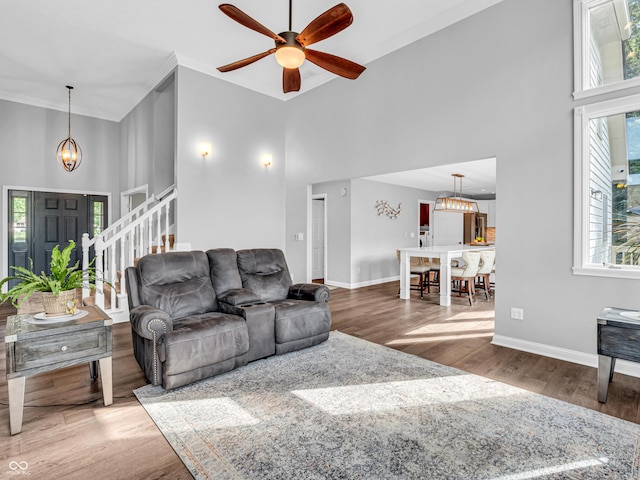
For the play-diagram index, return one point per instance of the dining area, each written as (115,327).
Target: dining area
(462,269)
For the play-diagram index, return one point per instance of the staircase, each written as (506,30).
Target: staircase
(142,231)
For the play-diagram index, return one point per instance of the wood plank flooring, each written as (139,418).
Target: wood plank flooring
(68,433)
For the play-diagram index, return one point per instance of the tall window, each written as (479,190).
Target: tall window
(607,45)
(608,185)
(19,218)
(98,216)
(607,138)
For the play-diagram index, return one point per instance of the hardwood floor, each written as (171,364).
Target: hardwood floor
(68,433)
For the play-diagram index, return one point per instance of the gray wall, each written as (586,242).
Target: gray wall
(361,245)
(228,199)
(492,85)
(338,233)
(375,238)
(147,150)
(29,137)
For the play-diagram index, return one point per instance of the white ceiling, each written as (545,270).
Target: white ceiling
(115,51)
(479,178)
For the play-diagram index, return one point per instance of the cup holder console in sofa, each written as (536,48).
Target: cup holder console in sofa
(195,314)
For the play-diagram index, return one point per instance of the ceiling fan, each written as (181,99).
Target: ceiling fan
(291,47)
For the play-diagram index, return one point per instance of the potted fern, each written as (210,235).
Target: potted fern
(58,289)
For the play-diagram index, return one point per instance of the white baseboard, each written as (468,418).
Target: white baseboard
(368,283)
(589,359)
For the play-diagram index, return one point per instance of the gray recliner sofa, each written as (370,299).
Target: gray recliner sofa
(195,314)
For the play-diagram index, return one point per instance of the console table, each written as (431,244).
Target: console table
(35,346)
(618,337)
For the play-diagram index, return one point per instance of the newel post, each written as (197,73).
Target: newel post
(99,266)
(86,291)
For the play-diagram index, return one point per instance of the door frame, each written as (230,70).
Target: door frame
(124,197)
(4,241)
(323,197)
(431,204)
(310,197)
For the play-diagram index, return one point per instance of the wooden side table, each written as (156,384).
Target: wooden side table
(34,346)
(618,337)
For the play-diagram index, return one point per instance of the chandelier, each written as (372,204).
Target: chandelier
(69,153)
(456,203)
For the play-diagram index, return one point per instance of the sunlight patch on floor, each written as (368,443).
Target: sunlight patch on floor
(488,315)
(221,412)
(543,472)
(439,338)
(450,327)
(389,396)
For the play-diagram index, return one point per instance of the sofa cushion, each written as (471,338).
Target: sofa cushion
(223,268)
(298,319)
(200,340)
(265,271)
(177,282)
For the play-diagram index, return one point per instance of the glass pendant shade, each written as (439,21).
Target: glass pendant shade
(456,203)
(69,153)
(290,57)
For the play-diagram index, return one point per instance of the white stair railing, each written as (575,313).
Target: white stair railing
(143,231)
(117,226)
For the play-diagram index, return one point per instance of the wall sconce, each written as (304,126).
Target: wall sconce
(204,149)
(597,194)
(267,159)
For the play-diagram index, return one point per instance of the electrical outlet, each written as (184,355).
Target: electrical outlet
(517,313)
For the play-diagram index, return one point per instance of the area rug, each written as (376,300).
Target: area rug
(351,409)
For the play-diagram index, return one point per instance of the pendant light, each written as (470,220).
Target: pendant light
(69,153)
(456,203)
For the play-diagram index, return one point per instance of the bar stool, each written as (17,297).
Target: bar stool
(466,277)
(417,267)
(433,277)
(487,266)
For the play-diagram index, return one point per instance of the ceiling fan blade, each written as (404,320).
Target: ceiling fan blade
(325,25)
(245,62)
(291,80)
(338,65)
(243,19)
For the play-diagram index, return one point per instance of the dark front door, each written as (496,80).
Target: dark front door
(59,217)
(38,221)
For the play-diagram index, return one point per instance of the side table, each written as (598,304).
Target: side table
(34,346)
(618,337)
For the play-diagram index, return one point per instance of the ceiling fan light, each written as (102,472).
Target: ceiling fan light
(289,56)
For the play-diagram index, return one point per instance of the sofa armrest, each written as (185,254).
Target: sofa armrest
(239,296)
(309,291)
(149,322)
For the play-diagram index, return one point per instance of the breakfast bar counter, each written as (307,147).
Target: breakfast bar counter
(445,253)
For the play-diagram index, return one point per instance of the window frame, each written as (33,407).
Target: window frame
(581,56)
(582,193)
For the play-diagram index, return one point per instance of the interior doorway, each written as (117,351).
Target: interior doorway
(425,223)
(133,198)
(318,238)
